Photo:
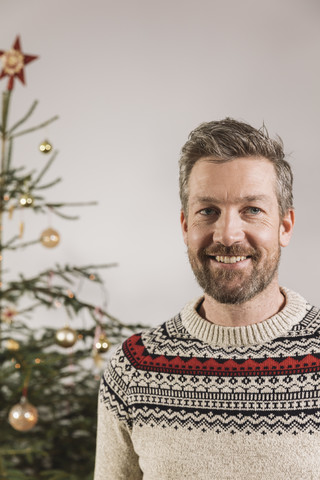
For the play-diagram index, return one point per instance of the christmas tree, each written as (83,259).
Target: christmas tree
(49,377)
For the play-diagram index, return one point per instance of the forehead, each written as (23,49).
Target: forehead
(233,180)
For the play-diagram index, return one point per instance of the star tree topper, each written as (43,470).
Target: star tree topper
(13,62)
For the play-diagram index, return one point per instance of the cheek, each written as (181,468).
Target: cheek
(264,238)
(199,236)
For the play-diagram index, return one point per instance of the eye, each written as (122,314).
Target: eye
(254,210)
(208,211)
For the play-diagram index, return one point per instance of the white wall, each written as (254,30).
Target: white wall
(129,80)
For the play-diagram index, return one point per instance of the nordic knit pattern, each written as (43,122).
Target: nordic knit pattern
(194,400)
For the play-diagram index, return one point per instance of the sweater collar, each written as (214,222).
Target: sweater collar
(257,333)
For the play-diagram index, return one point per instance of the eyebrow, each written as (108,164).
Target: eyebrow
(245,199)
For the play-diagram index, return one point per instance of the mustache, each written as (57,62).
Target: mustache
(233,250)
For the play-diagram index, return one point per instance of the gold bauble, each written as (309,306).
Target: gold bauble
(66,337)
(23,416)
(45,147)
(103,344)
(26,200)
(12,345)
(50,238)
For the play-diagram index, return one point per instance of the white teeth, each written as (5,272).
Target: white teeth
(229,259)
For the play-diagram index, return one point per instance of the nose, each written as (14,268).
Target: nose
(228,229)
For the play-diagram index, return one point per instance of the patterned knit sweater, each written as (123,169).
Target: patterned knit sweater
(195,400)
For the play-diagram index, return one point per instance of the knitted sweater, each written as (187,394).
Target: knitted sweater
(195,400)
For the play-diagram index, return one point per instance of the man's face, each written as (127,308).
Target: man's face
(233,230)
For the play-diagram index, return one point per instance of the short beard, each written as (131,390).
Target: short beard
(218,284)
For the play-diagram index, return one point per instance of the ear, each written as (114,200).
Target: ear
(286,228)
(184,226)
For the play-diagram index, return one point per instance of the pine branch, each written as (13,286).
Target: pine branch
(49,185)
(84,270)
(23,119)
(37,127)
(6,95)
(46,294)
(24,245)
(9,155)
(30,308)
(9,242)
(44,170)
(6,451)
(63,215)
(9,245)
(70,204)
(10,172)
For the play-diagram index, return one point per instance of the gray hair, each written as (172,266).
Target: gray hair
(228,139)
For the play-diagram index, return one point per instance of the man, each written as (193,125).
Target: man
(228,389)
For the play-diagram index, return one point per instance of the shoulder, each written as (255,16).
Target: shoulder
(154,342)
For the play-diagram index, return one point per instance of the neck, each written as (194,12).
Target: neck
(260,308)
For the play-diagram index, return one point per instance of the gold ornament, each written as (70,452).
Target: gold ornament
(26,200)
(45,147)
(66,337)
(23,416)
(21,229)
(103,344)
(50,238)
(12,345)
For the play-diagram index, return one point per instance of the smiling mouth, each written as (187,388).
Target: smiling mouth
(229,259)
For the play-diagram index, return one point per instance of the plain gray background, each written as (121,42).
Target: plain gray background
(129,80)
